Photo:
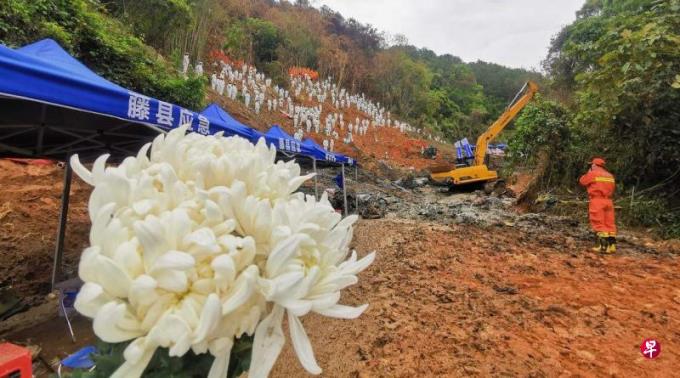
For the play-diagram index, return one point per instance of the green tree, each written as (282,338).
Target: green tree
(103,43)
(621,60)
(501,83)
(543,136)
(254,40)
(627,100)
(401,82)
(153,20)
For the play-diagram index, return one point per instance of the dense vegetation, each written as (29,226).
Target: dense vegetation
(103,43)
(616,79)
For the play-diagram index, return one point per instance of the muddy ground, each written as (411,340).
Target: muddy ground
(463,285)
(460,300)
(30,198)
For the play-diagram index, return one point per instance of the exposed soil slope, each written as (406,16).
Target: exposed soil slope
(30,199)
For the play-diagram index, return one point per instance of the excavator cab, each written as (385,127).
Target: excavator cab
(478,172)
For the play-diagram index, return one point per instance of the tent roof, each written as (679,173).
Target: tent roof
(225,121)
(343,159)
(282,141)
(277,132)
(51,105)
(321,154)
(48,52)
(311,148)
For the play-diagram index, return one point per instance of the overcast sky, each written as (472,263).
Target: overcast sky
(514,33)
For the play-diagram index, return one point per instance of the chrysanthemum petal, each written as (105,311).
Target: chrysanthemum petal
(267,344)
(90,299)
(210,316)
(302,346)
(106,321)
(343,312)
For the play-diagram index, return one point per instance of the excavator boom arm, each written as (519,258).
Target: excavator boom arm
(508,115)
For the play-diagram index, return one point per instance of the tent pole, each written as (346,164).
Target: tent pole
(41,130)
(344,188)
(316,180)
(61,230)
(356,191)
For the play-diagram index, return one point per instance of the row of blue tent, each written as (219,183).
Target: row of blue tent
(275,136)
(465,150)
(44,72)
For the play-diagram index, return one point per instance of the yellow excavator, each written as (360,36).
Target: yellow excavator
(478,172)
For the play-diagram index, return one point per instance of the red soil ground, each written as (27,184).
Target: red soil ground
(444,300)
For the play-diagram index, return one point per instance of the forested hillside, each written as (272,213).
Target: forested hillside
(139,44)
(615,76)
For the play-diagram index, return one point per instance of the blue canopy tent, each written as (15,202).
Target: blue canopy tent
(342,159)
(51,106)
(312,149)
(225,122)
(320,153)
(282,141)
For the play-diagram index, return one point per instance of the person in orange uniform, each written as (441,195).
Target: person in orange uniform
(600,185)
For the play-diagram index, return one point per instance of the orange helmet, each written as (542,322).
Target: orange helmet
(598,161)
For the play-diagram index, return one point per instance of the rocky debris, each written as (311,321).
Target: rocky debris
(385,199)
(372,206)
(412,182)
(430,152)
(506,290)
(336,198)
(544,202)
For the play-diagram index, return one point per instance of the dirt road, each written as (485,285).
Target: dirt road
(461,301)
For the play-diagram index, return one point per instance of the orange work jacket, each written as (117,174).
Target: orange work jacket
(599,183)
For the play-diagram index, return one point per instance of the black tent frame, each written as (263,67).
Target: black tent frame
(33,129)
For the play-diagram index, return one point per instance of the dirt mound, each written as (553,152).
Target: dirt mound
(30,197)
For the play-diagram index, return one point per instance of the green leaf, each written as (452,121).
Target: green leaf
(625,67)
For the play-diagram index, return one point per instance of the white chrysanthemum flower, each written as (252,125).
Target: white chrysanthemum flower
(305,272)
(188,247)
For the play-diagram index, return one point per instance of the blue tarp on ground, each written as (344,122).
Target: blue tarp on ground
(44,72)
(226,122)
